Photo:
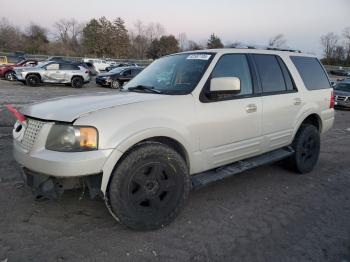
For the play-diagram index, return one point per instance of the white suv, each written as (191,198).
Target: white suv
(187,120)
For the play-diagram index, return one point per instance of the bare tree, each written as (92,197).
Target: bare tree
(278,41)
(329,43)
(346,35)
(154,31)
(68,33)
(183,42)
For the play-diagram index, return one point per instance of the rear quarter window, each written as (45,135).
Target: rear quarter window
(311,72)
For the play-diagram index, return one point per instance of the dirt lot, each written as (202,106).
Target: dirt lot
(268,214)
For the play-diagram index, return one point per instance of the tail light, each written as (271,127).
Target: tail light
(331,104)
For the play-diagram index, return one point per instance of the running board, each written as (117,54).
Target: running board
(202,179)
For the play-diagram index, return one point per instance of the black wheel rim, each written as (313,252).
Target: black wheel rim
(152,186)
(308,149)
(32,81)
(76,83)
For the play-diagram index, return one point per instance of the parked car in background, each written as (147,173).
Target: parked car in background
(118,76)
(111,67)
(98,63)
(54,72)
(342,94)
(7,71)
(89,66)
(11,59)
(340,72)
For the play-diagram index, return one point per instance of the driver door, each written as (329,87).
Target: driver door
(230,124)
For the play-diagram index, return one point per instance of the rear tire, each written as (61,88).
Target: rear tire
(115,84)
(32,80)
(77,82)
(149,187)
(306,145)
(9,76)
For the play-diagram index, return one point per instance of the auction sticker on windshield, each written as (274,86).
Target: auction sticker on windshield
(199,56)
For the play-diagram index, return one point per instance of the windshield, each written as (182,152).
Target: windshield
(343,87)
(174,74)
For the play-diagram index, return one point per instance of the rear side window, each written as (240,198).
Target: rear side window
(270,72)
(311,72)
(68,67)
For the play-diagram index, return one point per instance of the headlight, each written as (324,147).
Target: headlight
(68,138)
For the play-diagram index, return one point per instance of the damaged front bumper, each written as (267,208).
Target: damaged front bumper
(49,187)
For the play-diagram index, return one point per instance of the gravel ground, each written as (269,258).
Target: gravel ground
(267,214)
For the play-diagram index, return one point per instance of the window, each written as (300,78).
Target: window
(270,73)
(52,67)
(287,76)
(127,73)
(311,72)
(68,67)
(174,74)
(135,71)
(235,65)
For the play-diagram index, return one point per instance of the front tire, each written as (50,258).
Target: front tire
(32,80)
(77,82)
(307,149)
(149,187)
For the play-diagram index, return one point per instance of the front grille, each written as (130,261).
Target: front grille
(341,98)
(31,132)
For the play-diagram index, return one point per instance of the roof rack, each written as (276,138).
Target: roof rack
(265,48)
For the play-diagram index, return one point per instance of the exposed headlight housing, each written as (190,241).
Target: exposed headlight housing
(68,138)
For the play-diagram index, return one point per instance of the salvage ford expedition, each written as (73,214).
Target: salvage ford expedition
(187,120)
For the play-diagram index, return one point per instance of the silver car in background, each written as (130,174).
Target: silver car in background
(55,73)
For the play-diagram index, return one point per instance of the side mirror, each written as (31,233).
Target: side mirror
(225,85)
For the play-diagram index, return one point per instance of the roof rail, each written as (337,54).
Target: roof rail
(265,48)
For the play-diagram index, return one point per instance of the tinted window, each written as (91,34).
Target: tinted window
(270,73)
(127,73)
(311,72)
(68,67)
(235,65)
(287,76)
(135,71)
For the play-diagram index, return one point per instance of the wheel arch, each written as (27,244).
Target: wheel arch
(311,119)
(117,156)
(36,74)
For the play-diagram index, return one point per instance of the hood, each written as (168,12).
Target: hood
(341,93)
(69,108)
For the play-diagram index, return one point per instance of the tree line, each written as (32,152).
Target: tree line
(101,37)
(97,38)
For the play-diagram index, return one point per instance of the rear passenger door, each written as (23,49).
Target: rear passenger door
(281,101)
(230,124)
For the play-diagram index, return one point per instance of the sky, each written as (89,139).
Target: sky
(249,21)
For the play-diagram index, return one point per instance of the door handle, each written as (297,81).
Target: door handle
(297,101)
(251,108)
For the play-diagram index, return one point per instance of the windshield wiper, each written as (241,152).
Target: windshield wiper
(144,88)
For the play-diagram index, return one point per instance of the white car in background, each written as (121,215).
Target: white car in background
(99,64)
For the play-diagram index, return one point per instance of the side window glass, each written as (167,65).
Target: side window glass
(135,72)
(287,76)
(270,73)
(52,67)
(127,73)
(311,72)
(234,65)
